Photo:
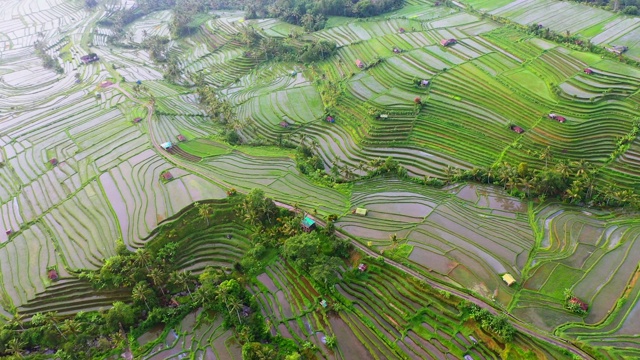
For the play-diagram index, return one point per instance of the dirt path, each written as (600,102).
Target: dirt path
(517,323)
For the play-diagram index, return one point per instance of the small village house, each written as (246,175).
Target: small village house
(137,120)
(89,58)
(517,129)
(52,275)
(284,124)
(448,42)
(361,211)
(508,279)
(167,176)
(588,71)
(308,224)
(359,64)
(331,119)
(166,145)
(53,161)
(181,137)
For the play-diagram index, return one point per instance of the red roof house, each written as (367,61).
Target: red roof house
(558,118)
(53,275)
(447,42)
(331,119)
(588,71)
(583,305)
(517,129)
(284,124)
(167,176)
(401,30)
(181,137)
(53,161)
(362,267)
(359,64)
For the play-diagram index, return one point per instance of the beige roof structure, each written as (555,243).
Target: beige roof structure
(508,279)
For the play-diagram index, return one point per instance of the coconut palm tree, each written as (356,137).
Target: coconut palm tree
(182,279)
(546,155)
(158,277)
(141,293)
(15,347)
(143,258)
(204,211)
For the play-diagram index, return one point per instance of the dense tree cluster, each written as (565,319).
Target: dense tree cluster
(629,7)
(47,60)
(499,325)
(312,13)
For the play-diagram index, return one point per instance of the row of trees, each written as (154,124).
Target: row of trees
(571,181)
(498,325)
(312,13)
(48,61)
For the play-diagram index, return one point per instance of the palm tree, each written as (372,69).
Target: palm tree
(204,211)
(526,184)
(581,167)
(546,155)
(158,278)
(17,320)
(563,169)
(141,293)
(394,240)
(14,347)
(143,258)
(182,279)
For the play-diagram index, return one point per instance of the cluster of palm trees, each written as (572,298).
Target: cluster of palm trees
(216,106)
(572,181)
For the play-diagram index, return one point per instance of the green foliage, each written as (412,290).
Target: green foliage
(317,255)
(311,13)
(258,209)
(499,325)
(157,47)
(47,60)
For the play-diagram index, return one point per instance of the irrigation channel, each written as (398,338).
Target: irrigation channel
(517,323)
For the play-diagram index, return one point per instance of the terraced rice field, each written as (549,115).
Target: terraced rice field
(78,173)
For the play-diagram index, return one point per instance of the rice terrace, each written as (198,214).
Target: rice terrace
(319,179)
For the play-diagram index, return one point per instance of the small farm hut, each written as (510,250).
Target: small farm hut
(359,64)
(424,82)
(618,49)
(53,161)
(284,124)
(137,120)
(401,30)
(181,137)
(447,42)
(361,211)
(583,305)
(384,116)
(396,50)
(166,145)
(8,232)
(468,357)
(508,279)
(167,176)
(52,275)
(588,71)
(323,303)
(517,129)
(363,267)
(558,118)
(308,224)
(89,58)
(106,83)
(139,82)
(331,119)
